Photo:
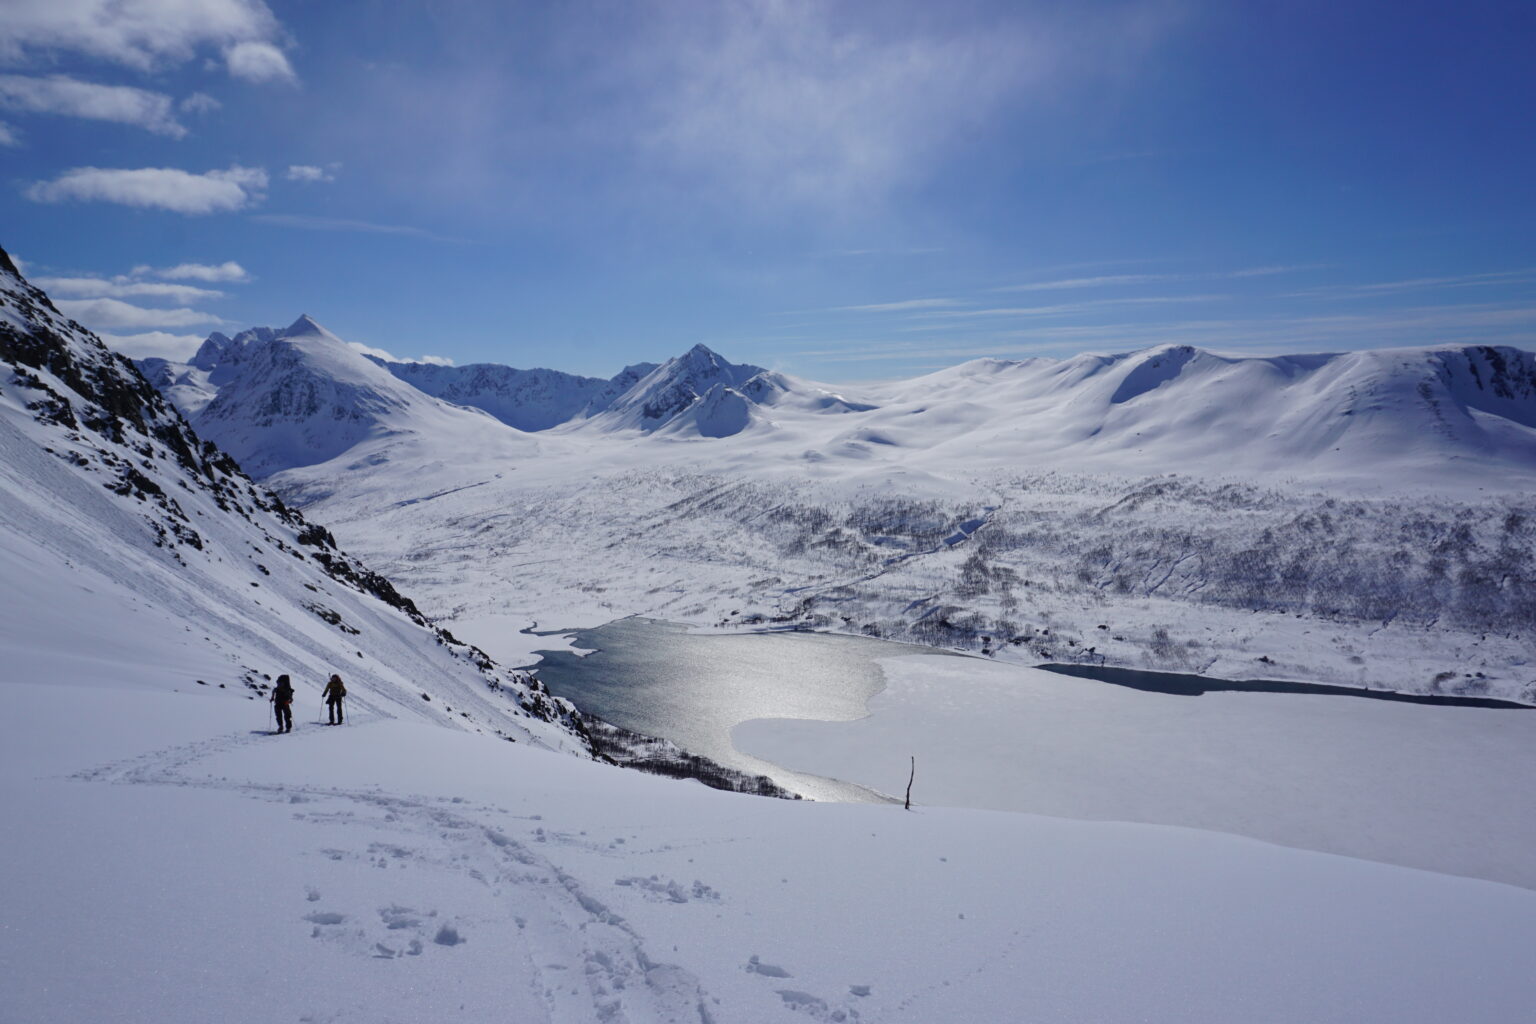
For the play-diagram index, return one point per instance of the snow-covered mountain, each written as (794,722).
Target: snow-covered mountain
(700,394)
(526,399)
(138,554)
(301,396)
(279,399)
(1453,412)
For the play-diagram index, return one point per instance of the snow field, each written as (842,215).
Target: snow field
(1440,788)
(324,876)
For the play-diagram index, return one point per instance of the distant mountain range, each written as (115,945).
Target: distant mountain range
(279,399)
(300,396)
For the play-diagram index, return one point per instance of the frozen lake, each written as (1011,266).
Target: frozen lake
(660,679)
(1435,786)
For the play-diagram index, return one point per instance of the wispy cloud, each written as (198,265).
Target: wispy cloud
(257,61)
(308,223)
(111,314)
(1497,277)
(148,34)
(1103,281)
(1126,280)
(909,251)
(389,357)
(1067,308)
(8,135)
(199,103)
(893,307)
(792,101)
(63,96)
(164,188)
(228,272)
(307,172)
(123,288)
(154,344)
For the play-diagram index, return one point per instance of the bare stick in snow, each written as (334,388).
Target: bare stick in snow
(909,782)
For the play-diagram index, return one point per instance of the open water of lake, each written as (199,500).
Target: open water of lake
(660,679)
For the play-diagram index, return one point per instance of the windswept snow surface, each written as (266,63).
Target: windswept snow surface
(397,870)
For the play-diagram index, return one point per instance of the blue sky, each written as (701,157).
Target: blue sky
(839,190)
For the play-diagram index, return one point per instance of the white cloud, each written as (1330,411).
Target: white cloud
(1119,280)
(258,62)
(896,307)
(176,347)
(146,34)
(199,103)
(304,172)
(804,101)
(782,98)
(296,220)
(1107,281)
(1497,277)
(70,97)
(123,288)
(8,135)
(379,353)
(164,188)
(229,271)
(113,313)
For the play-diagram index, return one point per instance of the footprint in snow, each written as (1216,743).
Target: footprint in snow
(756,966)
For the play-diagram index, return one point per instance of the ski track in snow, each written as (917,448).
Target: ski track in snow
(599,968)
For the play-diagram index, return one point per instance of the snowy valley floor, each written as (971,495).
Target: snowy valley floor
(170,863)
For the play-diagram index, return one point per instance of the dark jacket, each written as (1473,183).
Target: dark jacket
(334,691)
(283,694)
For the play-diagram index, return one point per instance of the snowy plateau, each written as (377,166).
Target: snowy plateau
(173,536)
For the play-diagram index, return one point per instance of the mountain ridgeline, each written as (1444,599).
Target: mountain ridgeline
(300,396)
(279,399)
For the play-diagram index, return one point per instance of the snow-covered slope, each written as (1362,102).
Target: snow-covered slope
(526,399)
(395,872)
(134,554)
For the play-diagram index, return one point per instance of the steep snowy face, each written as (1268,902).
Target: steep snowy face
(673,388)
(219,352)
(136,554)
(526,399)
(187,387)
(302,396)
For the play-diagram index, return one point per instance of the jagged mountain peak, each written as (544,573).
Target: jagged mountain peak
(305,324)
